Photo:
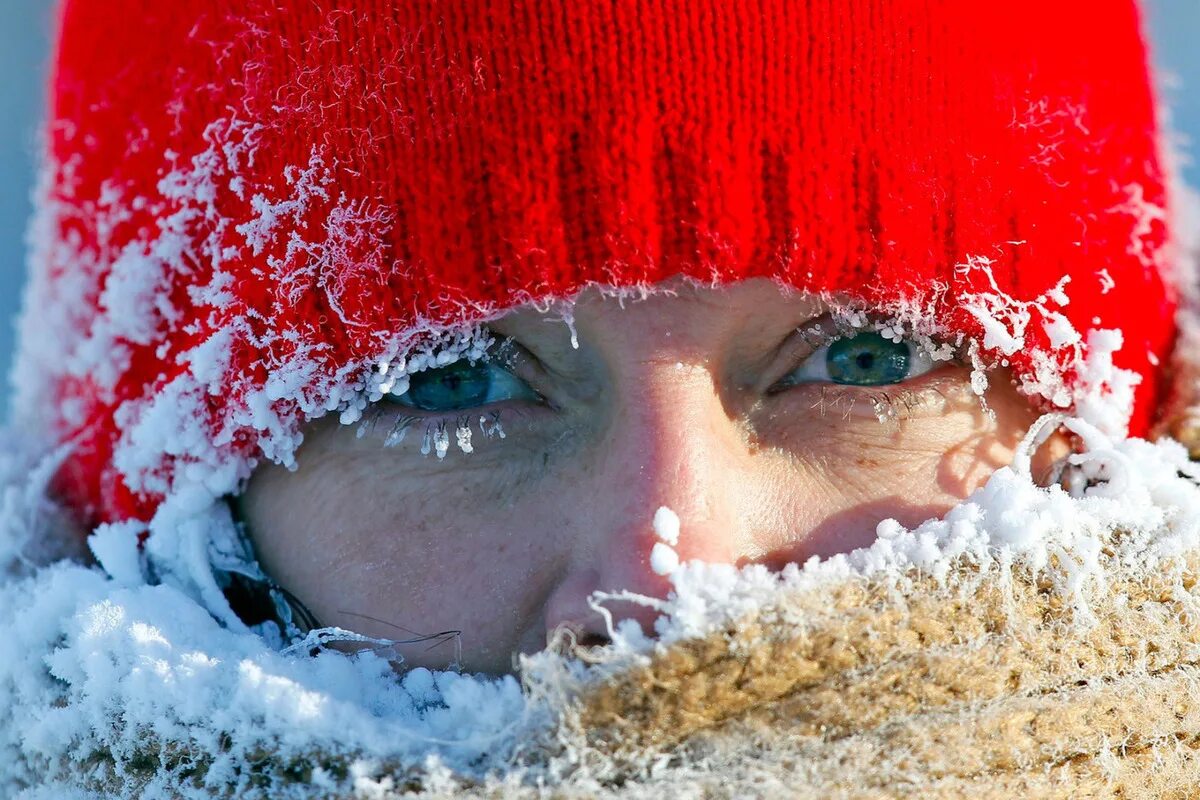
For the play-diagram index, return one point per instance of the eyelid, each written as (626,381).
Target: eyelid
(798,347)
(522,364)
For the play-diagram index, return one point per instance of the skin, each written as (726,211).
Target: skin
(667,401)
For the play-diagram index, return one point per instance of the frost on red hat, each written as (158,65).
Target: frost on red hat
(249,205)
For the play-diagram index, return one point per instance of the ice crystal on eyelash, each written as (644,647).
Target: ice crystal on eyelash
(815,336)
(391,375)
(840,401)
(491,428)
(398,432)
(462,435)
(979,378)
(394,378)
(884,408)
(354,411)
(889,407)
(905,324)
(395,387)
(441,440)
(855,319)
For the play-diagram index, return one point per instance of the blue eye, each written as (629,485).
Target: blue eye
(463,385)
(865,359)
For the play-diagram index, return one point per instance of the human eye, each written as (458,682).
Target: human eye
(462,386)
(862,359)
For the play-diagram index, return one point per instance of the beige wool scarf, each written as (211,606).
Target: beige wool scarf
(987,684)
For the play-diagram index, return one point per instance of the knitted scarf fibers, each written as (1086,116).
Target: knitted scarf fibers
(249,208)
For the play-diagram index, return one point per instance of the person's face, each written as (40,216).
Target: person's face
(721,404)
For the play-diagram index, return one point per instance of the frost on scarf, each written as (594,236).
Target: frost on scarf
(111,687)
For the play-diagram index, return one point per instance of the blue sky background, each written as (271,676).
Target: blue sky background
(1174,27)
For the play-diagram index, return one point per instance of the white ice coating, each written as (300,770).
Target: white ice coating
(441,441)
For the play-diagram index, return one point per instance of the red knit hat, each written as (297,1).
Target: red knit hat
(249,204)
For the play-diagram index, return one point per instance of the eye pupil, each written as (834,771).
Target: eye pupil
(867,359)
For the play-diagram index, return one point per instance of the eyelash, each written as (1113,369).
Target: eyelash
(889,404)
(436,435)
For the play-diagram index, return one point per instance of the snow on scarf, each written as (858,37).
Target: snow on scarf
(1028,643)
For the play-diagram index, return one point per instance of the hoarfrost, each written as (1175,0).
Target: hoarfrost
(666,525)
(663,558)
(462,435)
(441,441)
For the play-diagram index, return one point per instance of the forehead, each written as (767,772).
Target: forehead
(680,309)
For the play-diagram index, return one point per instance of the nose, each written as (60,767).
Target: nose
(670,443)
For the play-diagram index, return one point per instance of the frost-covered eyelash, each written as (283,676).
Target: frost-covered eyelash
(891,405)
(436,436)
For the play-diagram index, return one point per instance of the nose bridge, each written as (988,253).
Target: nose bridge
(672,444)
(669,443)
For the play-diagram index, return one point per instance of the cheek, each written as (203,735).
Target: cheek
(395,556)
(847,475)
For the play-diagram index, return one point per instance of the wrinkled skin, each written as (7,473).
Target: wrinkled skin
(667,401)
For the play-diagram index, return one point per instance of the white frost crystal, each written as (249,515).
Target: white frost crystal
(663,558)
(666,525)
(463,437)
(441,441)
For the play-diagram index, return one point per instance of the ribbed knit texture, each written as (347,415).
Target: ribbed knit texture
(466,156)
